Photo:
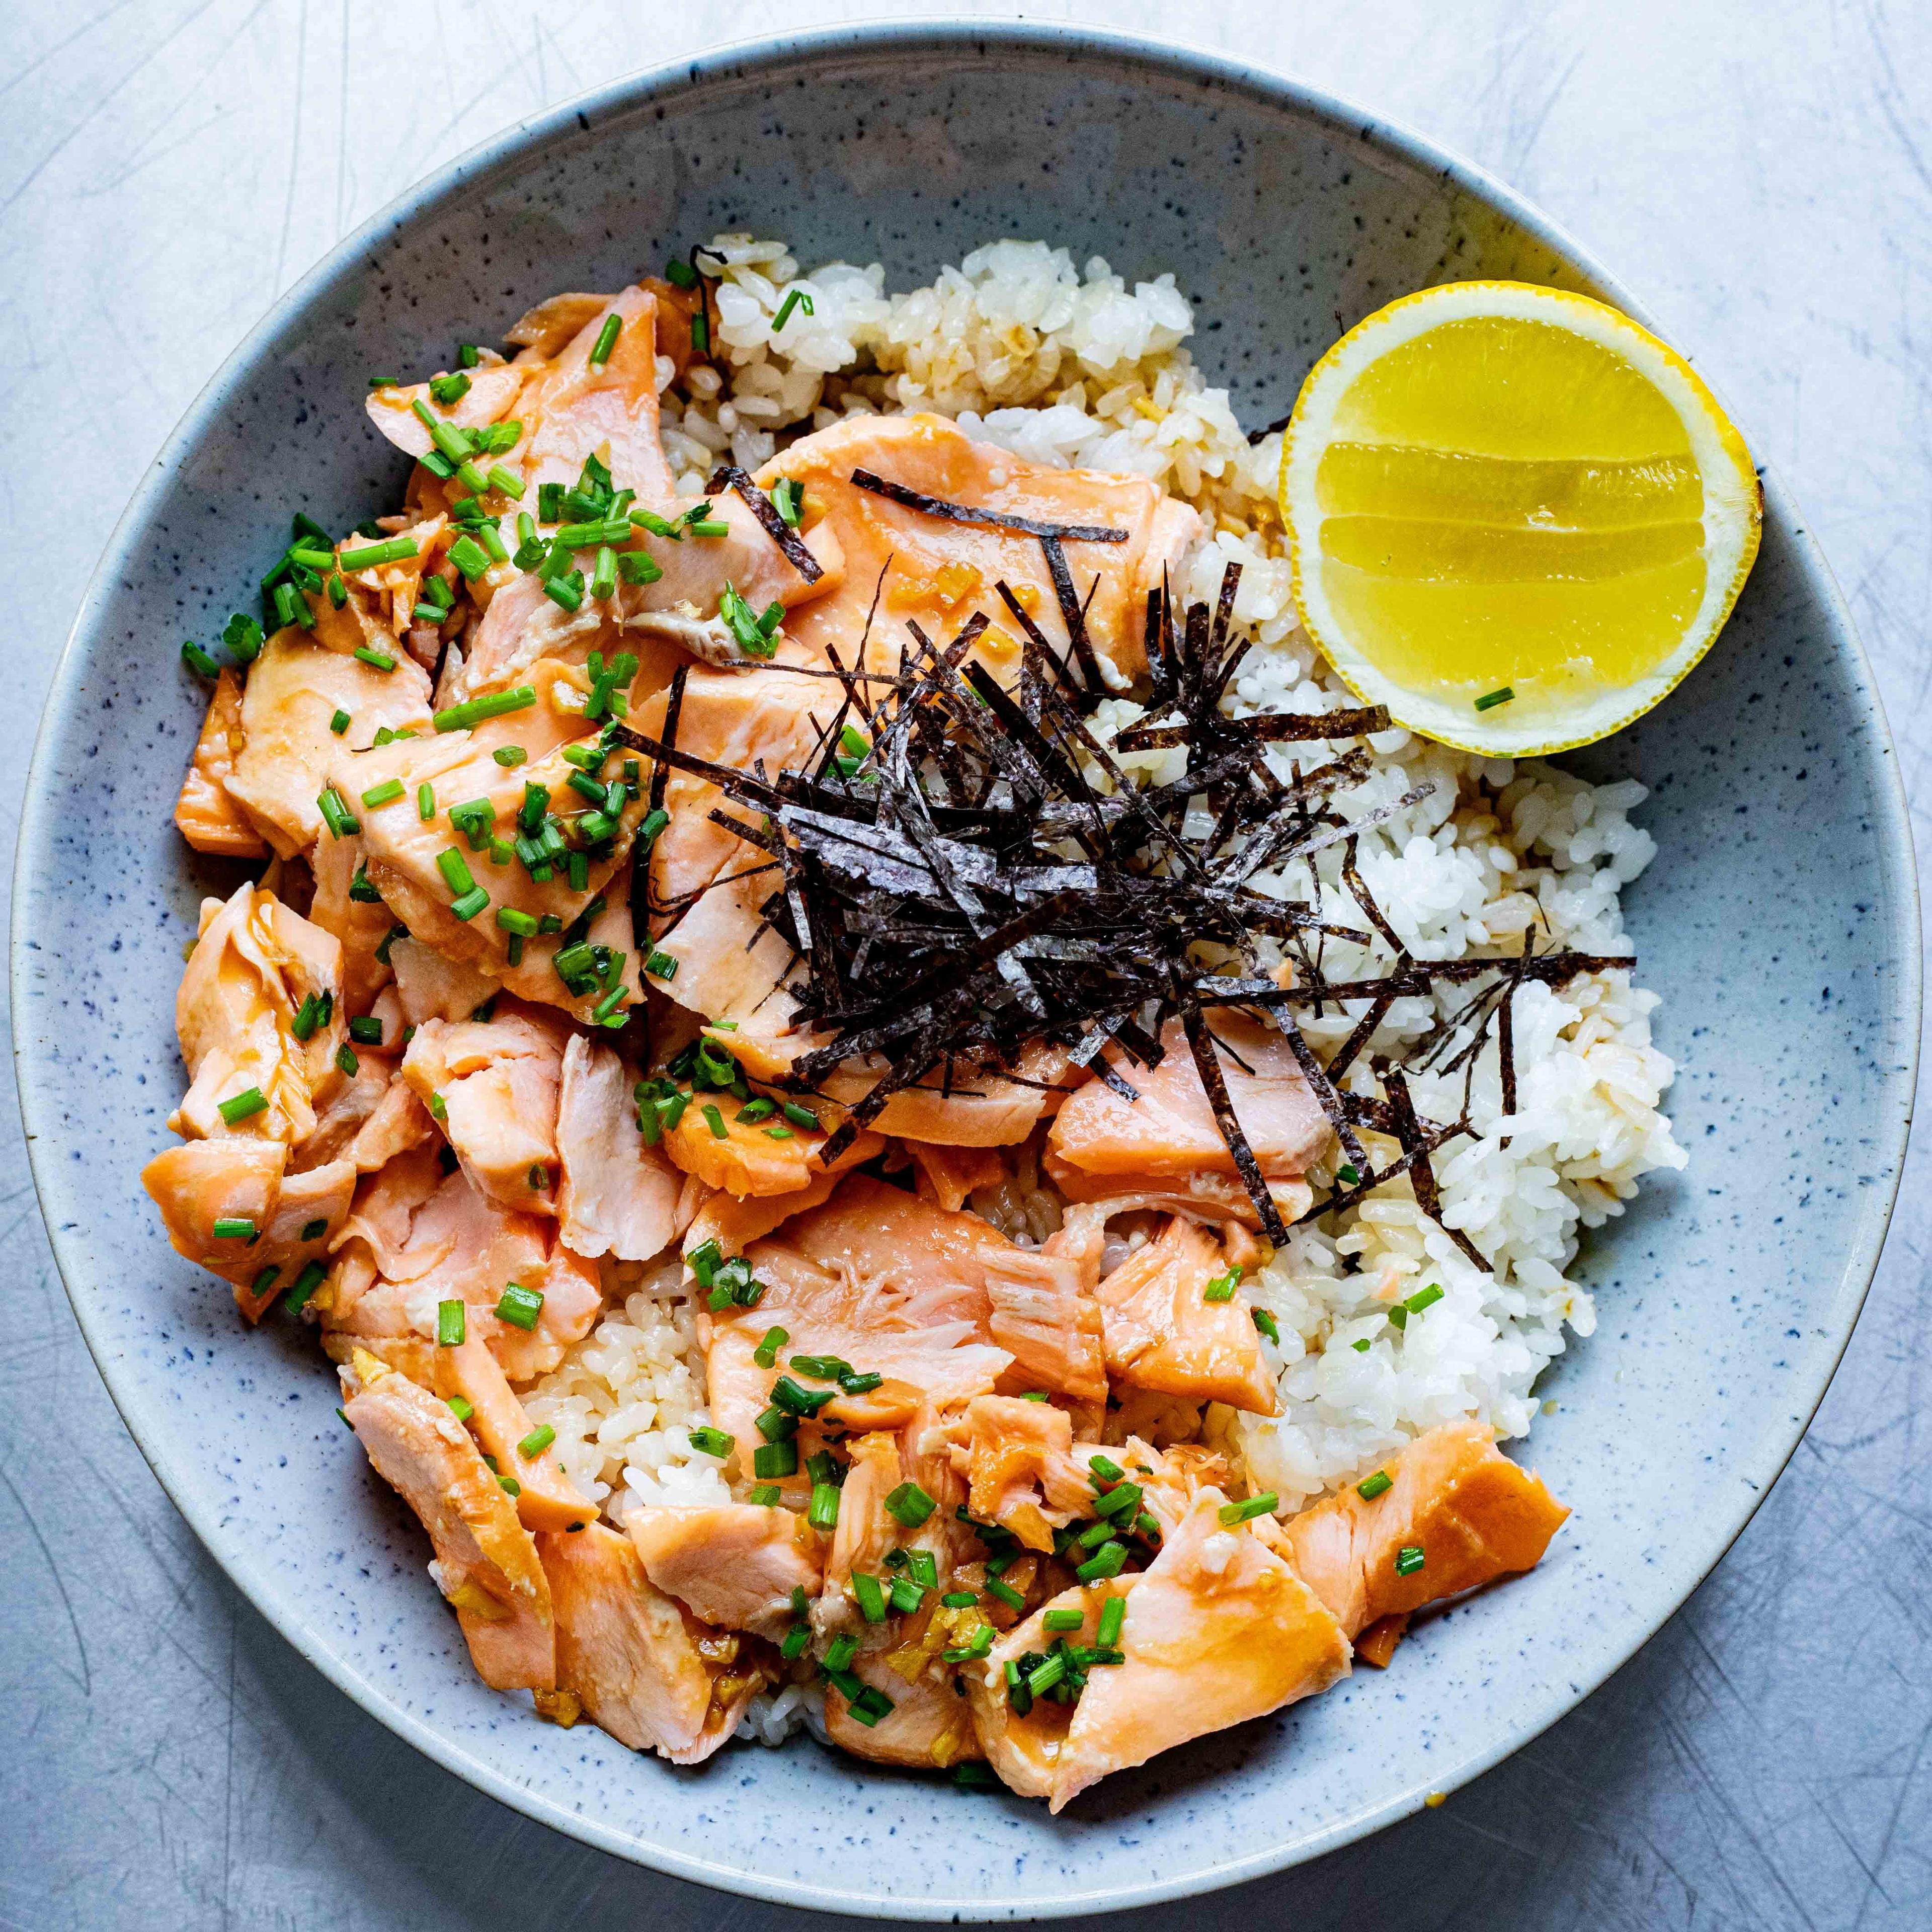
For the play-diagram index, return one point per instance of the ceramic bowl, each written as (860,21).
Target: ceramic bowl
(1779,922)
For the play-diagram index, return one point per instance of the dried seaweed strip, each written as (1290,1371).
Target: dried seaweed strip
(1421,1174)
(1207,1062)
(998,520)
(1073,615)
(729,475)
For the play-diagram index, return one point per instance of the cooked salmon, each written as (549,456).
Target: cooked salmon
(294,689)
(1017,1457)
(620,1195)
(633,1659)
(490,396)
(417,1238)
(572,407)
(1170,1131)
(1473,1513)
(257,978)
(1161,1331)
(486,1562)
(546,1497)
(1217,1629)
(733,1564)
(1048,1317)
(936,572)
(208,818)
(497,1080)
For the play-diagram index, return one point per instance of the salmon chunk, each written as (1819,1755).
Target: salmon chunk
(257,969)
(294,689)
(546,1497)
(490,396)
(1048,1317)
(1161,1332)
(497,1080)
(234,1180)
(1017,1457)
(620,1195)
(572,407)
(417,1238)
(734,1564)
(486,1562)
(1217,1629)
(947,1175)
(641,1668)
(1454,1496)
(1170,1131)
(936,572)
(208,818)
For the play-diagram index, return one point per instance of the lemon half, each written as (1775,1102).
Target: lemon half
(1518,518)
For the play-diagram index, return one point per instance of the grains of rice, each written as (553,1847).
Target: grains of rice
(1066,364)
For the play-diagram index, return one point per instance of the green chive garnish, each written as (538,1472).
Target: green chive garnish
(373,557)
(713,1442)
(1408,1559)
(1490,700)
(1370,1487)
(1246,1512)
(1113,1615)
(765,1354)
(796,298)
(381,660)
(451,1326)
(233,1228)
(1264,1321)
(336,815)
(496,704)
(387,792)
(780,1458)
(239,1107)
(521,1306)
(909,1504)
(198,661)
(607,340)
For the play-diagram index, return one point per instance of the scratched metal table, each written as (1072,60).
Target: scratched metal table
(1763,174)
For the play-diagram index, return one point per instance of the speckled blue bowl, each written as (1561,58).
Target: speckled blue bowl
(1780,922)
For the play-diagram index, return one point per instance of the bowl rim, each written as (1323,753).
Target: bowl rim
(747,58)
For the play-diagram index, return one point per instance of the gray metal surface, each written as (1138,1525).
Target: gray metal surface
(1763,175)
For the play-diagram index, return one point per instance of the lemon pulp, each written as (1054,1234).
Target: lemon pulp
(1507,503)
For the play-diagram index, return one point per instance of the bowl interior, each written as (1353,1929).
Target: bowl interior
(1778,921)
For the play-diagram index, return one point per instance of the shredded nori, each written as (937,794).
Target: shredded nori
(985,877)
(729,476)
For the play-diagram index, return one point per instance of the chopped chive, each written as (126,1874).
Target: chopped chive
(381,660)
(373,557)
(470,557)
(451,388)
(1109,1560)
(603,578)
(765,1496)
(472,902)
(438,1111)
(387,792)
(1264,1321)
(1122,1499)
(461,1407)
(662,966)
(607,340)
(910,1504)
(339,723)
(265,1280)
(455,870)
(907,1595)
(198,662)
(506,481)
(708,527)
(239,1107)
(682,274)
(796,298)
(466,355)
(1005,1593)
(243,637)
(346,1061)
(336,815)
(366,1030)
(766,1353)
(1246,1512)
(1370,1487)
(233,1228)
(1490,700)
(496,704)
(521,1306)
(715,1121)
(780,1458)
(1105,1467)
(713,1442)
(510,920)
(959,1600)
(452,1326)
(700,334)
(1347,1174)
(1113,1615)
(306,1283)
(1222,1288)
(1062,1620)
(800,1117)
(1361,1347)
(872,1597)
(823,1513)
(1408,1559)
(787,499)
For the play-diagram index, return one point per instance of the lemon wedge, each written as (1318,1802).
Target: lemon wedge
(1518,519)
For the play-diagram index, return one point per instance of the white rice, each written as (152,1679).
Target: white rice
(1066,365)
